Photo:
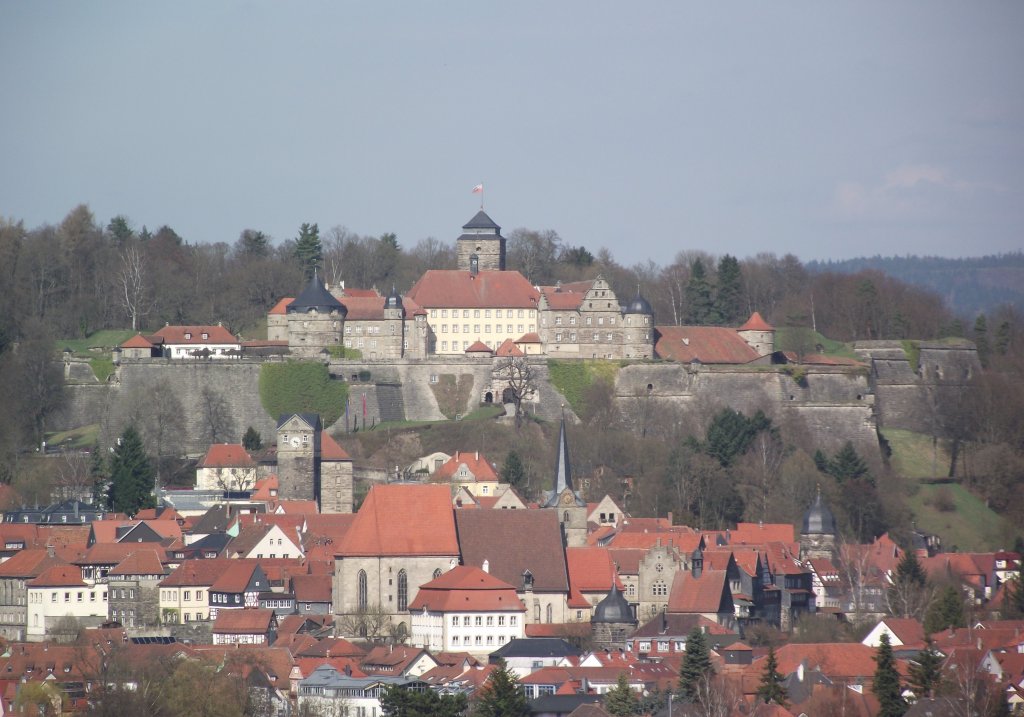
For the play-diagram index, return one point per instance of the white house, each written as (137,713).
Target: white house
(468,610)
(60,592)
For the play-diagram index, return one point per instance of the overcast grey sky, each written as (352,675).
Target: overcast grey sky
(828,130)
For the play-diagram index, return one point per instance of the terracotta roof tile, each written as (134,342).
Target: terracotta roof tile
(475,463)
(704,594)
(176,335)
(467,588)
(756,323)
(590,569)
(224,455)
(403,520)
(707,344)
(508,348)
(138,341)
(513,541)
(487,289)
(144,561)
(312,588)
(478,347)
(330,450)
(281,307)
(243,622)
(59,576)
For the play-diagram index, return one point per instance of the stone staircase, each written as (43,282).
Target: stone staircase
(390,405)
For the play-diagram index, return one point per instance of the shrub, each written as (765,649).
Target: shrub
(301,387)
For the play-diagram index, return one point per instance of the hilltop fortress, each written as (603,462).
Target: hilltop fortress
(459,326)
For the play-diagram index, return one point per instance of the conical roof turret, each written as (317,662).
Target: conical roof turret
(818,520)
(614,608)
(316,296)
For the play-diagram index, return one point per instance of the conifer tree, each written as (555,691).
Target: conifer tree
(252,440)
(886,685)
(946,610)
(502,695)
(131,475)
(729,294)
(621,700)
(98,475)
(771,688)
(308,248)
(926,670)
(700,305)
(696,664)
(908,592)
(847,464)
(513,472)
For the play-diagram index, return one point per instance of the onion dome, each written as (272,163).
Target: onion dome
(614,608)
(316,296)
(818,519)
(639,305)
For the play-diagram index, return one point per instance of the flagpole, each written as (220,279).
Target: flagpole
(481,196)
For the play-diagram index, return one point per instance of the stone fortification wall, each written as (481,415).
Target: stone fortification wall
(835,404)
(910,389)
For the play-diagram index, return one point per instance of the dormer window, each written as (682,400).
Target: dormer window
(205,336)
(188,335)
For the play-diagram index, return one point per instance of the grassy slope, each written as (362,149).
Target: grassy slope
(99,341)
(971,525)
(784,341)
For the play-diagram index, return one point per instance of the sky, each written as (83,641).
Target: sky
(827,130)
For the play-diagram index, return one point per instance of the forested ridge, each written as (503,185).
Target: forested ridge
(68,280)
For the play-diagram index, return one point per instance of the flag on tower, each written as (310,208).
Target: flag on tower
(478,189)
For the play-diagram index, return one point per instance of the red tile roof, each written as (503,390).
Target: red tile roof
(176,335)
(478,347)
(467,588)
(591,569)
(756,323)
(144,561)
(59,576)
(757,533)
(201,573)
(243,622)
(567,297)
(508,348)
(330,450)
(403,520)
(707,344)
(462,289)
(530,337)
(281,307)
(227,455)
(513,541)
(312,588)
(32,562)
(138,341)
(702,594)
(475,463)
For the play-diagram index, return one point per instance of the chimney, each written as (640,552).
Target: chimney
(478,455)
(670,518)
(486,567)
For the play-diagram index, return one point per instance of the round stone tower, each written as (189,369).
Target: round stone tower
(613,620)
(316,321)
(818,533)
(759,334)
(638,320)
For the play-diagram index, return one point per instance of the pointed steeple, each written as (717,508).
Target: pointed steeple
(563,470)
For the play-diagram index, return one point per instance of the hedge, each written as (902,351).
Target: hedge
(301,387)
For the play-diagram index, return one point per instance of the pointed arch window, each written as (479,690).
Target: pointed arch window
(403,591)
(361,587)
(550,613)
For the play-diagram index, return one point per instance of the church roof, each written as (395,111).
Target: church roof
(563,472)
(316,296)
(480,220)
(818,519)
(513,541)
(403,520)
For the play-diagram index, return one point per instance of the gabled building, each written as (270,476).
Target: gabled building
(245,627)
(466,609)
(194,342)
(226,467)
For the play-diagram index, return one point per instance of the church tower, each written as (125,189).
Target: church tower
(481,246)
(572,509)
(818,533)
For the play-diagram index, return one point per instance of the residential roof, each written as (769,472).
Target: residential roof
(235,577)
(196,572)
(312,588)
(32,562)
(467,588)
(478,347)
(138,341)
(536,647)
(227,455)
(706,344)
(403,519)
(144,561)
(591,569)
(475,463)
(508,348)
(243,622)
(462,289)
(704,594)
(58,576)
(177,335)
(514,541)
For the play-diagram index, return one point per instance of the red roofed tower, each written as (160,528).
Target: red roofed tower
(759,334)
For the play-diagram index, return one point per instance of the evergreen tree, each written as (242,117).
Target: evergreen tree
(98,474)
(1013,598)
(131,475)
(502,695)
(513,472)
(700,305)
(981,339)
(398,701)
(252,440)
(1003,334)
(729,294)
(886,685)
(696,664)
(848,465)
(731,433)
(926,670)
(771,688)
(946,610)
(621,700)
(308,249)
(908,593)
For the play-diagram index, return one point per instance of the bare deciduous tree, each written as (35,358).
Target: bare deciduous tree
(131,279)
(518,382)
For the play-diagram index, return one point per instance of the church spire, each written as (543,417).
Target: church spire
(563,470)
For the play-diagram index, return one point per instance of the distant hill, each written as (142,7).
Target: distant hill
(969,286)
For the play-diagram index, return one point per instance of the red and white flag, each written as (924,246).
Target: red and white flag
(478,189)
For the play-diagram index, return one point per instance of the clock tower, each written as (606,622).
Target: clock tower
(298,456)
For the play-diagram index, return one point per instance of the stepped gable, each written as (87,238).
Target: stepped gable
(463,289)
(514,541)
(402,520)
(315,296)
(706,344)
(566,297)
